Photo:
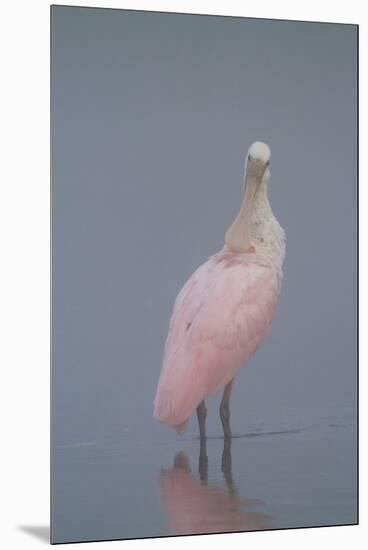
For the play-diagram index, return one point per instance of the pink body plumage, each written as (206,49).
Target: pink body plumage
(220,317)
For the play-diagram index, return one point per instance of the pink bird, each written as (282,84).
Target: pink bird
(223,312)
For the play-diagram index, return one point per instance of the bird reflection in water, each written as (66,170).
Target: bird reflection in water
(193,506)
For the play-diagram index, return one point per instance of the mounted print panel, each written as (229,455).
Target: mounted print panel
(204,274)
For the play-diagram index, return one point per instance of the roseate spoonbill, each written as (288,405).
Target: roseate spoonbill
(224,310)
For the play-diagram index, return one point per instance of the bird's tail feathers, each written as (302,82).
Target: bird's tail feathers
(180,428)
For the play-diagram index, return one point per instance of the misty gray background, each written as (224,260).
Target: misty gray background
(152,115)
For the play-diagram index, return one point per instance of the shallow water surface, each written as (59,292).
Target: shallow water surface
(158,484)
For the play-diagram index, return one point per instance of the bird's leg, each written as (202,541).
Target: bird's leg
(201,415)
(203,459)
(225,409)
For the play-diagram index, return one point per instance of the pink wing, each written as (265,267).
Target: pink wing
(220,317)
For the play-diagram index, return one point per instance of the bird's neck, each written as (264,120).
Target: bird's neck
(266,234)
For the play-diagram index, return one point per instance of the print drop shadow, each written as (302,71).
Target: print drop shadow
(194,505)
(41,532)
